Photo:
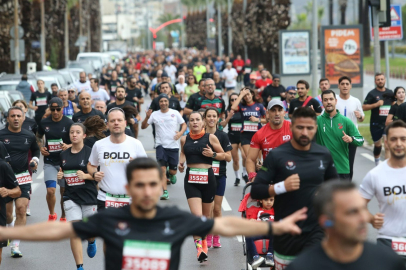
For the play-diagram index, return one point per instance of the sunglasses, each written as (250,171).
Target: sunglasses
(55,109)
(292,93)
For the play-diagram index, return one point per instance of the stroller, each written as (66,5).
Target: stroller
(248,209)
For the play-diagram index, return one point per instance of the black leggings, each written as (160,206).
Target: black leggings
(204,191)
(352,151)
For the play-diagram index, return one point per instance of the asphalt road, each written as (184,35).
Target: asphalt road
(57,255)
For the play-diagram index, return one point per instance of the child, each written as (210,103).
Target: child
(264,213)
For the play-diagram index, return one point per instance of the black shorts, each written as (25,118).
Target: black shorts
(246,137)
(377,131)
(289,245)
(101,205)
(234,137)
(204,191)
(167,157)
(3,244)
(387,243)
(25,193)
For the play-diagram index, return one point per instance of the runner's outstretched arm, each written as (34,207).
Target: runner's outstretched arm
(45,231)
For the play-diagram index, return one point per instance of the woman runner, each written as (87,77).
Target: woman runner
(95,130)
(199,149)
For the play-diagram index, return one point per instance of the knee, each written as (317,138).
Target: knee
(217,210)
(236,160)
(50,191)
(21,210)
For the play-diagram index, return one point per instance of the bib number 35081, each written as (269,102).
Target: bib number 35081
(139,255)
(198,176)
(116,201)
(399,245)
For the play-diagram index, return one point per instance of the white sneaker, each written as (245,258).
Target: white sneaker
(258,260)
(28,213)
(15,252)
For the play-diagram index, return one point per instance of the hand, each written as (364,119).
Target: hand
(3,192)
(288,224)
(36,165)
(59,176)
(357,114)
(44,151)
(149,112)
(258,165)
(135,99)
(207,152)
(244,92)
(98,176)
(268,98)
(230,114)
(292,183)
(377,220)
(347,138)
(311,106)
(254,119)
(178,135)
(81,175)
(379,103)
(181,167)
(35,108)
(65,146)
(132,121)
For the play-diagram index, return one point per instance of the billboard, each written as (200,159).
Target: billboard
(294,51)
(342,53)
(395,31)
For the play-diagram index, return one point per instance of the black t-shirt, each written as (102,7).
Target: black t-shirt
(272,91)
(226,145)
(193,99)
(90,141)
(235,119)
(55,133)
(379,114)
(296,103)
(400,112)
(112,85)
(3,153)
(80,117)
(162,235)
(173,104)
(114,104)
(314,167)
(18,146)
(30,124)
(82,192)
(41,101)
(131,94)
(247,70)
(9,181)
(393,109)
(373,257)
(208,75)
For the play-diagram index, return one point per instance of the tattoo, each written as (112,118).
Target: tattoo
(39,140)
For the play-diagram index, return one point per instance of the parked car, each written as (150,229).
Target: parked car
(5,104)
(98,59)
(67,75)
(17,95)
(87,66)
(10,82)
(75,72)
(58,77)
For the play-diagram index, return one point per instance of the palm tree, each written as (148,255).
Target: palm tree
(343,9)
(165,17)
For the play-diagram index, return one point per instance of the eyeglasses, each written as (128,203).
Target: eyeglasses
(116,109)
(292,93)
(234,99)
(71,91)
(55,109)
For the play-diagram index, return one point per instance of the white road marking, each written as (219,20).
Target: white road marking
(239,238)
(35,186)
(225,205)
(368,156)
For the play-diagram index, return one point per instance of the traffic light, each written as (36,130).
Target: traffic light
(383,7)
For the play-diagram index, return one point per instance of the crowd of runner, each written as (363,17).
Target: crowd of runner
(297,151)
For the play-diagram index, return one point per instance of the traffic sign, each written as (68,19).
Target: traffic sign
(20,32)
(81,41)
(21,47)
(395,31)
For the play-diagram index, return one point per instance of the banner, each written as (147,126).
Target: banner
(294,51)
(342,53)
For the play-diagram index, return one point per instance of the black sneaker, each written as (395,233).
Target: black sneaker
(237,182)
(245,177)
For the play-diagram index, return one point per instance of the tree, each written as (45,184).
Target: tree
(343,10)
(171,27)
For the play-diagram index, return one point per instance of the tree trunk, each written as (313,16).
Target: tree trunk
(343,9)
(364,20)
(330,12)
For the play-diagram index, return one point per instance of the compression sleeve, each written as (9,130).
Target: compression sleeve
(264,178)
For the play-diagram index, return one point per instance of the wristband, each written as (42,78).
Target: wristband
(279,188)
(251,175)
(270,231)
(93,175)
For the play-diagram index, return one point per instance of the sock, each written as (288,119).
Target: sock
(15,243)
(79,265)
(91,243)
(198,243)
(11,224)
(377,161)
(236,174)
(244,171)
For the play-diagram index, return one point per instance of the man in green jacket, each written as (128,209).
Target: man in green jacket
(335,131)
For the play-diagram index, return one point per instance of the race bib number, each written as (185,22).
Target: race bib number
(229,82)
(24,178)
(236,127)
(250,126)
(198,176)
(247,70)
(55,145)
(216,167)
(116,201)
(399,245)
(239,68)
(217,92)
(384,110)
(72,178)
(282,262)
(41,101)
(140,255)
(113,88)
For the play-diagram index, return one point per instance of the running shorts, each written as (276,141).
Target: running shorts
(246,137)
(387,243)
(50,174)
(25,193)
(204,191)
(376,131)
(167,157)
(234,137)
(221,185)
(74,211)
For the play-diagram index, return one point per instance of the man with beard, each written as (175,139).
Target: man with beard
(293,172)
(86,110)
(210,99)
(120,99)
(195,98)
(379,108)
(304,100)
(385,182)
(335,131)
(82,84)
(274,91)
(324,84)
(134,93)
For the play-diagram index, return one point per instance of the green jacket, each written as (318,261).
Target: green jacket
(330,133)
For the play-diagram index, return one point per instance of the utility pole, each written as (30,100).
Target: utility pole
(219,31)
(244,31)
(80,25)
(42,34)
(182,27)
(66,36)
(16,38)
(230,32)
(314,48)
(207,24)
(89,41)
(377,48)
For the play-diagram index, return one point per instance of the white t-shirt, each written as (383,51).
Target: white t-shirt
(348,106)
(171,71)
(166,126)
(82,86)
(229,75)
(382,182)
(181,88)
(99,95)
(113,159)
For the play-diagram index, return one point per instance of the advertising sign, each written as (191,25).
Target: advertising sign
(294,52)
(395,31)
(342,53)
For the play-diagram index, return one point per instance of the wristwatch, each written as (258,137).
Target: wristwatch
(214,154)
(353,138)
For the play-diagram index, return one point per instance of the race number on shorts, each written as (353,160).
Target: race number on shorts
(24,178)
(72,178)
(140,255)
(116,201)
(198,176)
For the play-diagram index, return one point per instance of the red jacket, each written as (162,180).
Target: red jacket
(238,65)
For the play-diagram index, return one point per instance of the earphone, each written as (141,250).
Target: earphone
(328,223)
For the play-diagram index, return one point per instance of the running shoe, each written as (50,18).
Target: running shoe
(204,246)
(165,196)
(52,217)
(245,177)
(216,241)
(62,220)
(15,252)
(269,259)
(28,213)
(258,260)
(209,239)
(173,179)
(201,255)
(237,182)
(91,249)
(80,268)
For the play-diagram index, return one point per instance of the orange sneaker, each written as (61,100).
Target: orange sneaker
(201,255)
(62,220)
(204,246)
(52,217)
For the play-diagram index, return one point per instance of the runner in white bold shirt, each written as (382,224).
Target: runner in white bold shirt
(387,182)
(230,75)
(83,84)
(167,134)
(350,107)
(112,154)
(97,93)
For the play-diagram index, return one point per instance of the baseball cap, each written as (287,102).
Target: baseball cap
(276,76)
(164,75)
(291,88)
(161,96)
(275,102)
(253,76)
(56,100)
